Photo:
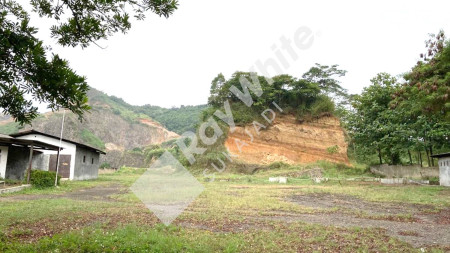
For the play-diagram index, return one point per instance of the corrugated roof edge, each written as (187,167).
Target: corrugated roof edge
(441,155)
(32,131)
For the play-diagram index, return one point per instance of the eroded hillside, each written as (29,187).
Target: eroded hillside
(110,125)
(289,141)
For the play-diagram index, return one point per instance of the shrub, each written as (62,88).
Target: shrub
(137,150)
(105,165)
(278,165)
(323,104)
(43,179)
(333,149)
(91,139)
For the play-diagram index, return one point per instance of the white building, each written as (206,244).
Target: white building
(444,168)
(77,161)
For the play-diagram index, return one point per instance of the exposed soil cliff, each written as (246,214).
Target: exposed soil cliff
(288,141)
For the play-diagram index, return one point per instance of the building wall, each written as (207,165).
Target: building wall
(87,169)
(68,148)
(41,162)
(444,171)
(3,160)
(17,163)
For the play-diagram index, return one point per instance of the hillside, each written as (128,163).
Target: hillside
(291,142)
(114,126)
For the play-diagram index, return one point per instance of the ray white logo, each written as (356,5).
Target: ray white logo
(167,187)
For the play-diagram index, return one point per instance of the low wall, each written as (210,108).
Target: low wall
(400,171)
(14,189)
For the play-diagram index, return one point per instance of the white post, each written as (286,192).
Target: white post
(59,148)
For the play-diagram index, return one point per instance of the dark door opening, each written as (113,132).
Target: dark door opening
(64,165)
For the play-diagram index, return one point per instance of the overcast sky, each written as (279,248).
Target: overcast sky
(171,62)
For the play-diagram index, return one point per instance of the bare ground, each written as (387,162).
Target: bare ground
(416,224)
(423,225)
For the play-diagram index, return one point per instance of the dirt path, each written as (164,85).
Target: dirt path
(417,234)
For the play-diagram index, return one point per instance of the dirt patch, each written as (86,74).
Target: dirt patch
(346,202)
(425,227)
(110,218)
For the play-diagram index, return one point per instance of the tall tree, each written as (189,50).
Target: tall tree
(424,97)
(28,73)
(372,123)
(326,78)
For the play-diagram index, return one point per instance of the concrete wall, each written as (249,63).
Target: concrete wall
(399,171)
(17,163)
(444,171)
(68,148)
(87,169)
(3,160)
(41,162)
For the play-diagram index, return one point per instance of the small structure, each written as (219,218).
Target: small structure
(444,168)
(281,180)
(17,156)
(76,161)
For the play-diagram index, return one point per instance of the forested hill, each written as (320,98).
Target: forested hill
(177,119)
(113,124)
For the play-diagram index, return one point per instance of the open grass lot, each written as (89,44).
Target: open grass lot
(235,213)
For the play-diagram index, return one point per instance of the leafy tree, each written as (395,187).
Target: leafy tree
(325,77)
(307,96)
(90,21)
(394,119)
(424,97)
(372,122)
(28,74)
(427,87)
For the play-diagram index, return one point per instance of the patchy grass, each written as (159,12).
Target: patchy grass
(235,213)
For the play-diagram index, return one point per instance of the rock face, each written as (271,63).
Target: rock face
(291,142)
(111,125)
(114,131)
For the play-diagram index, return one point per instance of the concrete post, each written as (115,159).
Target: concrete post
(30,163)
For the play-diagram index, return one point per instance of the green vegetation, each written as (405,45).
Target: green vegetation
(306,97)
(91,139)
(178,120)
(10,128)
(333,149)
(43,179)
(402,121)
(236,213)
(105,165)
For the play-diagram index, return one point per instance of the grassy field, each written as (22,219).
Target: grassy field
(235,213)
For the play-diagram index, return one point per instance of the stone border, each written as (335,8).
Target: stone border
(14,189)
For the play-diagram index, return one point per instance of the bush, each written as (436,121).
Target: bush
(323,104)
(43,179)
(333,149)
(105,165)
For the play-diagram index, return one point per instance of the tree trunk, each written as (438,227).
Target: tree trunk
(410,157)
(420,159)
(431,153)
(428,157)
(379,155)
(30,163)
